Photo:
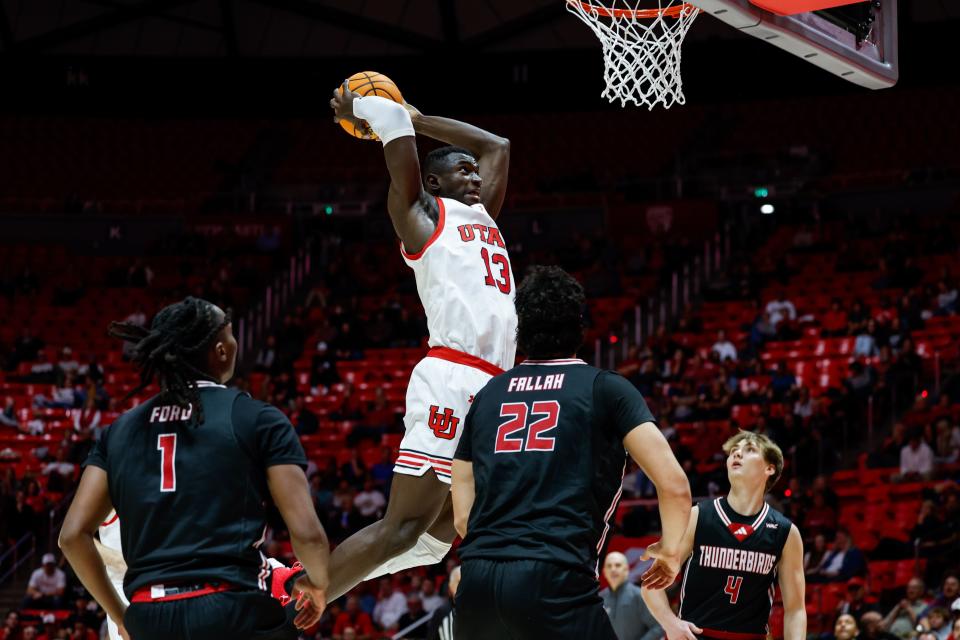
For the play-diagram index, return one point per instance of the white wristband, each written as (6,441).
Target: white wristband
(388,119)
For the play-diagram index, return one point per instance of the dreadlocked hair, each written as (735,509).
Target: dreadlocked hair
(173,349)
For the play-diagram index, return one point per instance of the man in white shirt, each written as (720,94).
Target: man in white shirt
(724,348)
(781,309)
(429,597)
(391,605)
(370,502)
(46,586)
(916,460)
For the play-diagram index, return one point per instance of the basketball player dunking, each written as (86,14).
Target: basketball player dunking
(737,547)
(446,221)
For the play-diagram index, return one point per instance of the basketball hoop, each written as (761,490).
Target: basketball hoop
(641,48)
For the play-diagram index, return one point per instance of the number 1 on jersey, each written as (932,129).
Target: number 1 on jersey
(167,446)
(733,588)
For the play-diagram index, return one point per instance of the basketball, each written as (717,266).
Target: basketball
(370,83)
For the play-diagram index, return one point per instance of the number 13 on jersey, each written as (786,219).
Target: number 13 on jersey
(502,279)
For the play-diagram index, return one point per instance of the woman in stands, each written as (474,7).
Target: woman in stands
(189,471)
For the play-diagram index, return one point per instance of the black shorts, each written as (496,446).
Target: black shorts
(228,614)
(528,599)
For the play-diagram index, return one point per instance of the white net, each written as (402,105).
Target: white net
(641,48)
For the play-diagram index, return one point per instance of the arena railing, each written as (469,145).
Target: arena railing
(18,555)
(668,303)
(399,635)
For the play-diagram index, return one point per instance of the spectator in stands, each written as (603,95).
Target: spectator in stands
(391,605)
(63,395)
(856,603)
(871,627)
(780,309)
(629,615)
(46,587)
(42,371)
(762,330)
(949,592)
(843,562)
(30,633)
(414,613)
(938,622)
(267,356)
(857,318)
(11,625)
(889,453)
(353,616)
(947,442)
(91,371)
(845,628)
(865,344)
(429,597)
(304,420)
(139,274)
(86,421)
(782,381)
(67,364)
(916,460)
(955,634)
(815,554)
(370,503)
(834,321)
(350,407)
(725,349)
(8,417)
(804,406)
(946,300)
(60,472)
(903,618)
(85,611)
(382,472)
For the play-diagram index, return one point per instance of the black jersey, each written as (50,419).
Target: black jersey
(730,579)
(546,442)
(192,497)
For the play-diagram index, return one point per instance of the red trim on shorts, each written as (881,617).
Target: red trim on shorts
(143,593)
(436,234)
(111,520)
(732,635)
(452,355)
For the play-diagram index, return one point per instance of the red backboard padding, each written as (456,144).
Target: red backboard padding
(793,7)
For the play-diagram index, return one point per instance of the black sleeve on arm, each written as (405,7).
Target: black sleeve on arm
(266,433)
(465,448)
(98,455)
(619,404)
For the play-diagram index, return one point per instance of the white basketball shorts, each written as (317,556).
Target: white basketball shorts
(439,394)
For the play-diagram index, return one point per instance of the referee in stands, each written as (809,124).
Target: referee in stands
(538,474)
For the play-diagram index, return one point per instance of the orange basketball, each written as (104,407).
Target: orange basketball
(370,83)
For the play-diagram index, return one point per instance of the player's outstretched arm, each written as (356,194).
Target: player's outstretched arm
(90,506)
(792,587)
(647,446)
(413,212)
(463,491)
(492,153)
(291,493)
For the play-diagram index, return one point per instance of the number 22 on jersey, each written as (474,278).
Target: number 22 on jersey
(517,412)
(167,446)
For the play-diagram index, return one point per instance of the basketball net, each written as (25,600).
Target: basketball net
(641,48)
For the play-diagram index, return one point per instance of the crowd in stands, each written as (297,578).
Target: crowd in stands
(338,364)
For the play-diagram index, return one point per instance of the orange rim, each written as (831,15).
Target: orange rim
(670,12)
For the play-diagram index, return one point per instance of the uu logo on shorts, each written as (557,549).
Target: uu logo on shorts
(443,423)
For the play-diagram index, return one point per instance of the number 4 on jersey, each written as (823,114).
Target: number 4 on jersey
(733,588)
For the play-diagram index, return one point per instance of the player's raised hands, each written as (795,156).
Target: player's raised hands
(311,601)
(664,569)
(677,629)
(342,105)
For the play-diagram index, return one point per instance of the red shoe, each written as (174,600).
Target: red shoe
(281,581)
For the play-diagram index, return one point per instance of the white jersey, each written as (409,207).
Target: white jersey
(110,538)
(466,284)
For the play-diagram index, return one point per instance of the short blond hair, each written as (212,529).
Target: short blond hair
(771,452)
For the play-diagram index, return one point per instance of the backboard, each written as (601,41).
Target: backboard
(858,44)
